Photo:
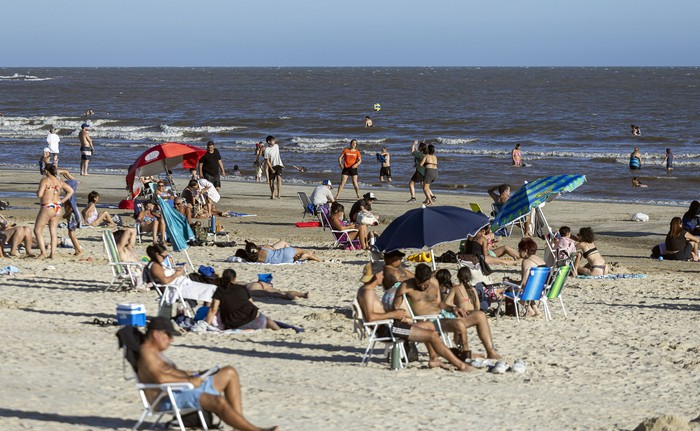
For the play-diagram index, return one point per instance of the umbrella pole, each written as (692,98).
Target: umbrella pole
(547,238)
(432,259)
(189,260)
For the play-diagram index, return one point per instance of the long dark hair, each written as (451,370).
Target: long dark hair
(676,227)
(444,279)
(464,275)
(227,278)
(693,210)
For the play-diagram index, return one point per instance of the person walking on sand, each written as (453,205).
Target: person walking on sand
(430,163)
(210,165)
(349,161)
(668,160)
(636,160)
(385,159)
(219,393)
(86,148)
(49,193)
(52,140)
(273,161)
(418,151)
(516,156)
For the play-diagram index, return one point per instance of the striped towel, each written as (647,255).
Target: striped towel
(612,276)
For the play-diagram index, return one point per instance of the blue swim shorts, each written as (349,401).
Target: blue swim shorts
(190,399)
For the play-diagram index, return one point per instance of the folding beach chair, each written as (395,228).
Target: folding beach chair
(507,230)
(130,339)
(122,272)
(532,291)
(433,318)
(553,291)
(368,330)
(476,208)
(168,295)
(341,237)
(306,203)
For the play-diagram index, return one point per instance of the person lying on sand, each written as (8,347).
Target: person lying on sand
(421,332)
(279,252)
(261,289)
(423,292)
(219,393)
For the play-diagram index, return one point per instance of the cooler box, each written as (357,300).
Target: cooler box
(131,314)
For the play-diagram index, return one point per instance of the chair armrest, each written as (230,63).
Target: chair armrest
(511,285)
(427,317)
(139,264)
(379,322)
(344,231)
(172,385)
(213,370)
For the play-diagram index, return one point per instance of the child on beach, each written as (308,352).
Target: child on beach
(258,171)
(236,171)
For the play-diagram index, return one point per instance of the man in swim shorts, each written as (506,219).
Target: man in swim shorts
(274,165)
(219,393)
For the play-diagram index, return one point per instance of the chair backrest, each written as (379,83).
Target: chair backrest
(558,283)
(305,202)
(358,319)
(535,284)
(112,252)
(475,207)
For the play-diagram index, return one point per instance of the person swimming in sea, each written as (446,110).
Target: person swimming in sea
(635,130)
(637,183)
(636,159)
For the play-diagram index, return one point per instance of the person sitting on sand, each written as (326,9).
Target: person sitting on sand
(219,393)
(91,215)
(420,332)
(462,295)
(586,249)
(161,273)
(233,307)
(423,293)
(681,244)
(151,220)
(527,249)
(279,252)
(14,236)
(637,183)
(337,223)
(481,245)
(691,218)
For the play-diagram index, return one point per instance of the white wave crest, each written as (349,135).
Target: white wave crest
(456,141)
(20,77)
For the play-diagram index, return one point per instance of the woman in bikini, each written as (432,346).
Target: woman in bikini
(151,220)
(527,249)
(49,193)
(462,295)
(586,249)
(91,215)
(482,244)
(430,163)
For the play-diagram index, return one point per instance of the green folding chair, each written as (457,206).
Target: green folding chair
(553,291)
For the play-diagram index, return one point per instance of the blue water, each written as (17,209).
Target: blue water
(567,120)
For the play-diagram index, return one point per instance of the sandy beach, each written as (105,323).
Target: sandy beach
(629,349)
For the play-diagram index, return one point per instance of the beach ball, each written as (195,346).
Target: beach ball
(377,107)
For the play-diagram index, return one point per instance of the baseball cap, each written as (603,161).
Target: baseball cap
(328,183)
(371,196)
(161,323)
(84,125)
(367,273)
(394,253)
(47,150)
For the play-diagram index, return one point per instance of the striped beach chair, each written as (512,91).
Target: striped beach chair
(122,272)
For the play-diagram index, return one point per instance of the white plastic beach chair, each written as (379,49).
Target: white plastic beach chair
(433,318)
(368,330)
(122,272)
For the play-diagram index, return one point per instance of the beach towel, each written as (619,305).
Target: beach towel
(612,276)
(308,224)
(236,259)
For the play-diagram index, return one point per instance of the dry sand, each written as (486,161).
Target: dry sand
(628,351)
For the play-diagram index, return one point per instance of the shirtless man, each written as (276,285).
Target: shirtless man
(154,367)
(424,293)
(86,148)
(385,170)
(422,332)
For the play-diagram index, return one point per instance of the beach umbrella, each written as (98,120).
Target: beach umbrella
(535,193)
(430,226)
(179,232)
(161,158)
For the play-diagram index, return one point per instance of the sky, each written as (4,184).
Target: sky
(161,33)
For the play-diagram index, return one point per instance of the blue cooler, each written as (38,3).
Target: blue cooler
(131,314)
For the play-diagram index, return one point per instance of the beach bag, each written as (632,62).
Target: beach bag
(367,218)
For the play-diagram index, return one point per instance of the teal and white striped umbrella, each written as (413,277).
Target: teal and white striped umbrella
(533,194)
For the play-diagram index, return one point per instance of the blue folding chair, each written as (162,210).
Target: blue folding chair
(536,281)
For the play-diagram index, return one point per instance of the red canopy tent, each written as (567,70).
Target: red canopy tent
(161,158)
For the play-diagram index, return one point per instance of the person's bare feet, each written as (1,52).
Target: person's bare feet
(492,354)
(437,363)
(78,252)
(466,368)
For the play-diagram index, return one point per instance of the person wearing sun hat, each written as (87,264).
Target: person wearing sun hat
(401,328)
(219,393)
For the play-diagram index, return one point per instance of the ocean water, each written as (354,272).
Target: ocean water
(567,120)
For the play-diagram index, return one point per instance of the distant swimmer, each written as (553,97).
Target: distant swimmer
(635,130)
(88,113)
(300,169)
(668,160)
(368,121)
(637,183)
(516,156)
(636,160)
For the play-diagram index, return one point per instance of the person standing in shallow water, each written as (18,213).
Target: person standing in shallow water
(668,160)
(516,156)
(636,160)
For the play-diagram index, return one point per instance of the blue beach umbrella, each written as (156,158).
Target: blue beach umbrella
(430,226)
(179,232)
(533,194)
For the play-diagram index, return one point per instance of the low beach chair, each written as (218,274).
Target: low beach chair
(368,330)
(122,272)
(433,318)
(340,237)
(306,203)
(168,295)
(553,291)
(476,208)
(532,291)
(130,339)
